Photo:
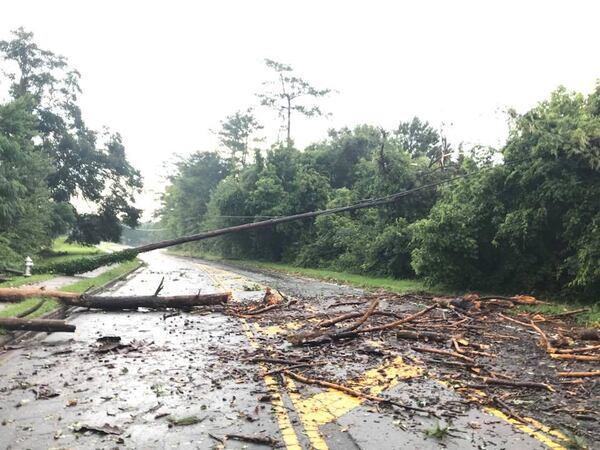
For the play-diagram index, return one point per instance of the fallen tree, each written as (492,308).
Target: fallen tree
(90,263)
(116,303)
(149,301)
(10,323)
(18,294)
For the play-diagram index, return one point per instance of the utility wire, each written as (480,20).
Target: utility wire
(371,203)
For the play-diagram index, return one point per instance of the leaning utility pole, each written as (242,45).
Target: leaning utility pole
(271,222)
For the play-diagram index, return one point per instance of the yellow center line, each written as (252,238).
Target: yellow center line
(288,434)
(285,424)
(330,404)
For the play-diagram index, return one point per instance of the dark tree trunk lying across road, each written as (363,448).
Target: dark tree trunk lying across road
(149,301)
(116,303)
(35,325)
(18,294)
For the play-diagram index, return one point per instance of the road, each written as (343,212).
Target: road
(172,367)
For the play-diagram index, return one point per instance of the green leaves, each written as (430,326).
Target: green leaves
(45,105)
(236,135)
(25,206)
(531,223)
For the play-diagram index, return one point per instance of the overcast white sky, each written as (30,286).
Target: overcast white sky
(163,73)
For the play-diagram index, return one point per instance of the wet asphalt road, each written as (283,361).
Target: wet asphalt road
(186,365)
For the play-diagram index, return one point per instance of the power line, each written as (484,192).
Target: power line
(280,220)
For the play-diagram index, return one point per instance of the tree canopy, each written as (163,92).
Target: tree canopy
(524,218)
(82,163)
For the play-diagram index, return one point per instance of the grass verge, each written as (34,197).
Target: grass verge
(63,251)
(80,286)
(362,281)
(19,281)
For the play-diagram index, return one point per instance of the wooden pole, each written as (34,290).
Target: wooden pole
(116,303)
(18,294)
(271,222)
(148,301)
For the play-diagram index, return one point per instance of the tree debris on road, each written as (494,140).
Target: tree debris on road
(493,358)
(118,302)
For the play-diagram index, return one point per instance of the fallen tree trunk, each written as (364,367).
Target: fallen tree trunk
(36,325)
(149,301)
(18,294)
(115,303)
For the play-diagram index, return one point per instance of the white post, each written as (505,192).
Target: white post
(28,265)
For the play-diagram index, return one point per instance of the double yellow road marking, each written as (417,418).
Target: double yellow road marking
(328,405)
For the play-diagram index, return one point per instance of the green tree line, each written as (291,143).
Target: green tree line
(49,158)
(524,218)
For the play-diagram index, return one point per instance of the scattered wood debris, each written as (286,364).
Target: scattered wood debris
(504,360)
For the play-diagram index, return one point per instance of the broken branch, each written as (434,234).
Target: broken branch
(575,357)
(364,318)
(321,338)
(593,373)
(513,383)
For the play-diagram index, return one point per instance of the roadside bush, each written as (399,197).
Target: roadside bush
(85,264)
(532,223)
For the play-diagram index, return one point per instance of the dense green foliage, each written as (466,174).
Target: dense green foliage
(49,157)
(524,219)
(348,166)
(25,210)
(532,222)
